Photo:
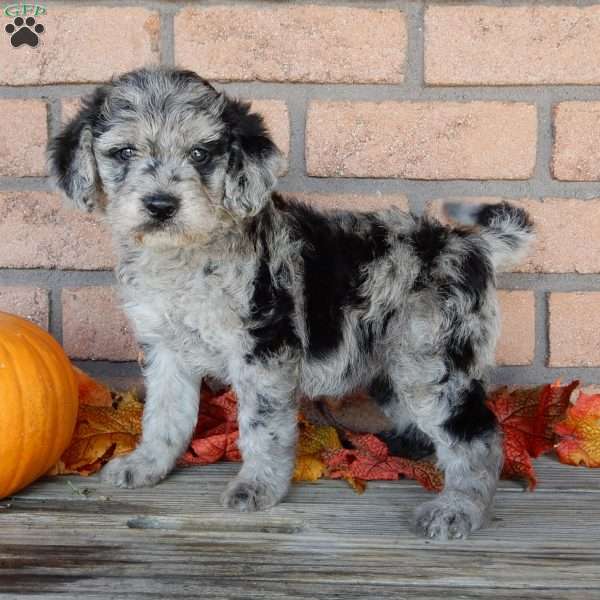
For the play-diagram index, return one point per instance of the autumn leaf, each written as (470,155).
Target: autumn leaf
(102,433)
(579,433)
(313,442)
(527,418)
(91,392)
(216,434)
(308,468)
(369,459)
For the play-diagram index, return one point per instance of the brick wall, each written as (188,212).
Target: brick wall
(403,102)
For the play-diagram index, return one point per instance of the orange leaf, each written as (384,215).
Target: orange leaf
(527,417)
(102,433)
(216,432)
(91,392)
(579,442)
(308,468)
(370,459)
(313,442)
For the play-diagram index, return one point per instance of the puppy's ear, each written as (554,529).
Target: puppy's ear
(71,157)
(254,160)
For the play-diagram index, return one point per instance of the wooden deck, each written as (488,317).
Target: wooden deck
(175,541)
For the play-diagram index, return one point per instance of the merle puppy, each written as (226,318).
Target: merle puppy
(222,277)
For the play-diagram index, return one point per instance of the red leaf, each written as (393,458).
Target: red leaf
(527,418)
(216,433)
(370,460)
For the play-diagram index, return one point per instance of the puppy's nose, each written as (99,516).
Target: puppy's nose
(161,206)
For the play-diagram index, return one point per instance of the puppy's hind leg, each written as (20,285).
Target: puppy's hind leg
(170,415)
(267,416)
(469,450)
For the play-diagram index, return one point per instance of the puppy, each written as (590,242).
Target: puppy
(223,277)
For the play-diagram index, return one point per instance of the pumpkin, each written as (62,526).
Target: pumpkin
(38,402)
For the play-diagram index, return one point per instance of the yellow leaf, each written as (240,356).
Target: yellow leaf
(316,438)
(101,433)
(308,468)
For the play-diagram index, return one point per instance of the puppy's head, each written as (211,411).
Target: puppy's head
(168,158)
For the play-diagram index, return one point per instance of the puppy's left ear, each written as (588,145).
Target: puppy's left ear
(255,162)
(71,157)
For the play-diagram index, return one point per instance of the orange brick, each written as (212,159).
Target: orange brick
(516,345)
(532,44)
(36,230)
(574,327)
(23,139)
(567,233)
(353,201)
(421,140)
(576,151)
(94,326)
(84,44)
(336,44)
(29,302)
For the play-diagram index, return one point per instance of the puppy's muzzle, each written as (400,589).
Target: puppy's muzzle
(161,207)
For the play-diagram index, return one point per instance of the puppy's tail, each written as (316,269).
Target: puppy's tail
(507,229)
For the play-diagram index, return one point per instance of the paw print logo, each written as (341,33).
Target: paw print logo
(24,32)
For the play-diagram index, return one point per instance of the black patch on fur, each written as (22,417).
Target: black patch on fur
(410,443)
(504,211)
(271,306)
(460,352)
(476,275)
(428,241)
(471,418)
(63,147)
(334,254)
(247,134)
(381,390)
(209,267)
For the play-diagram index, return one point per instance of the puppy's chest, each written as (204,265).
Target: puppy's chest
(198,311)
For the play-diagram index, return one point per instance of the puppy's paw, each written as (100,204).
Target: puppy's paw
(444,520)
(133,471)
(249,496)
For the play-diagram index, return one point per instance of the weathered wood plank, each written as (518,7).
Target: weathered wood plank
(175,541)
(211,589)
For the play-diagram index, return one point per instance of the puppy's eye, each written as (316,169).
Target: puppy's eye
(125,153)
(199,155)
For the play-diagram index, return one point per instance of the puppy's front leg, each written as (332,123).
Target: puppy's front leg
(267,415)
(170,415)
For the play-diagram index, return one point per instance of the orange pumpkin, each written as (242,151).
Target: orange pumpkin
(38,402)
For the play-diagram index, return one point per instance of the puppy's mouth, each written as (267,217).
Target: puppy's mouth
(151,228)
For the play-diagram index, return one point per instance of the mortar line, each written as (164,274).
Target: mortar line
(167,38)
(542,340)
(542,173)
(537,282)
(54,117)
(414,55)
(55,312)
(349,91)
(298,112)
(423,190)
